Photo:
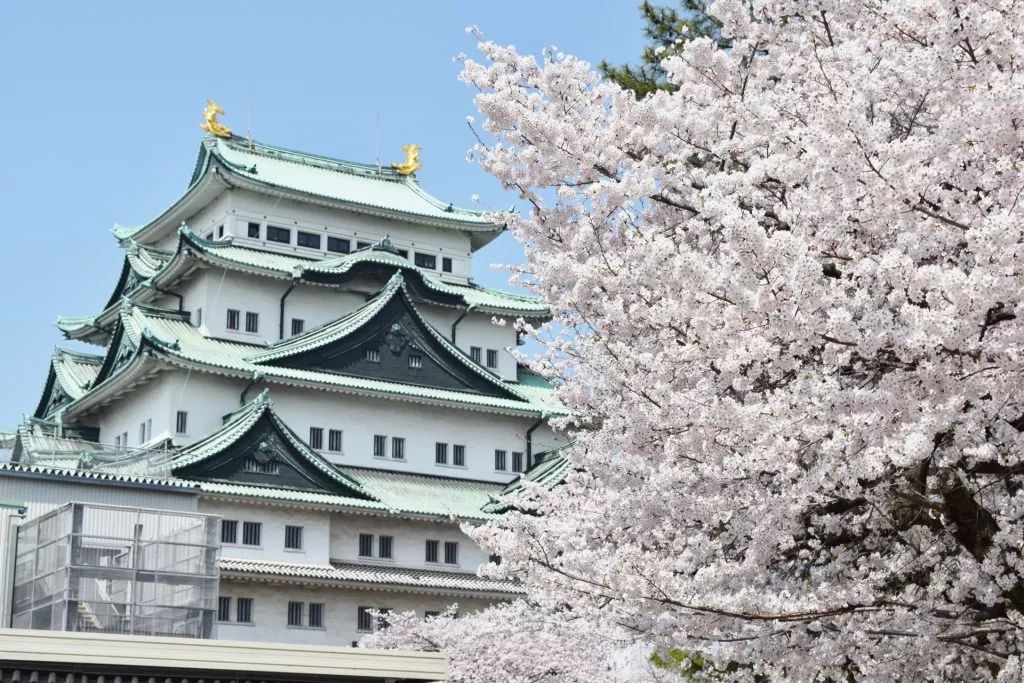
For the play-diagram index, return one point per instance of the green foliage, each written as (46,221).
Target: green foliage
(667,29)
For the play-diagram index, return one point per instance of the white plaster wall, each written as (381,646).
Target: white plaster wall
(248,206)
(477,329)
(202,222)
(315,532)
(206,398)
(41,495)
(409,545)
(270,611)
(146,402)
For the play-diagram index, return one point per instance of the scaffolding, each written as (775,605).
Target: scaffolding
(102,568)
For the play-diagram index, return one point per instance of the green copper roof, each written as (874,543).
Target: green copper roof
(75,371)
(548,473)
(284,495)
(424,494)
(359,186)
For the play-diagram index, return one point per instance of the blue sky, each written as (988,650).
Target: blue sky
(103,102)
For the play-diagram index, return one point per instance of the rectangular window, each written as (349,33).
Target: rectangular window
(364,620)
(474,354)
(446,264)
(451,552)
(117,442)
(298,326)
(142,433)
(379,445)
(252,322)
(316,438)
(339,245)
(397,448)
(149,429)
(234,316)
(492,358)
(224,608)
(254,230)
(293,537)
(251,533)
(373,355)
(251,464)
(334,440)
(517,461)
(365,545)
(384,544)
(181,422)
(441,453)
(124,440)
(362,245)
(316,615)
(199,317)
(426,261)
(415,360)
(282,235)
(228,531)
(307,239)
(459,455)
(404,253)
(220,231)
(432,547)
(295,614)
(243,610)
(499,461)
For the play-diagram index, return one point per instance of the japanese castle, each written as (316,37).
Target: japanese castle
(294,397)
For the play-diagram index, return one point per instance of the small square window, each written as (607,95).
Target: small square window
(293,537)
(373,355)
(474,353)
(316,438)
(384,545)
(228,531)
(397,448)
(446,264)
(181,422)
(334,440)
(142,433)
(295,614)
(362,245)
(517,461)
(379,445)
(252,322)
(316,615)
(307,239)
(117,442)
(282,235)
(251,533)
(365,545)
(224,608)
(199,317)
(451,552)
(404,253)
(441,453)
(432,548)
(492,358)
(339,245)
(243,610)
(234,316)
(220,231)
(459,455)
(415,360)
(426,261)
(298,326)
(499,461)
(254,230)
(364,620)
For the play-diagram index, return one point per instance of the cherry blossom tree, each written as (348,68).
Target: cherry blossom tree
(787,294)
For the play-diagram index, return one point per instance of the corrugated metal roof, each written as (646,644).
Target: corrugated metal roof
(95,475)
(352,572)
(427,495)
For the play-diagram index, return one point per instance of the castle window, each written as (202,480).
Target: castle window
(426,261)
(293,537)
(379,445)
(244,610)
(441,453)
(334,440)
(251,533)
(492,358)
(229,531)
(362,245)
(282,235)
(459,455)
(181,422)
(397,448)
(254,230)
(365,545)
(308,239)
(432,548)
(295,614)
(316,437)
(220,231)
(451,552)
(339,245)
(517,461)
(415,360)
(499,461)
(316,615)
(250,464)
(298,326)
(384,544)
(199,317)
(233,317)
(446,264)
(404,253)
(474,354)
(252,322)
(364,620)
(373,355)
(223,608)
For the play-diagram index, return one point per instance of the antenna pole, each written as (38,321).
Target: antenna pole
(378,143)
(249,116)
